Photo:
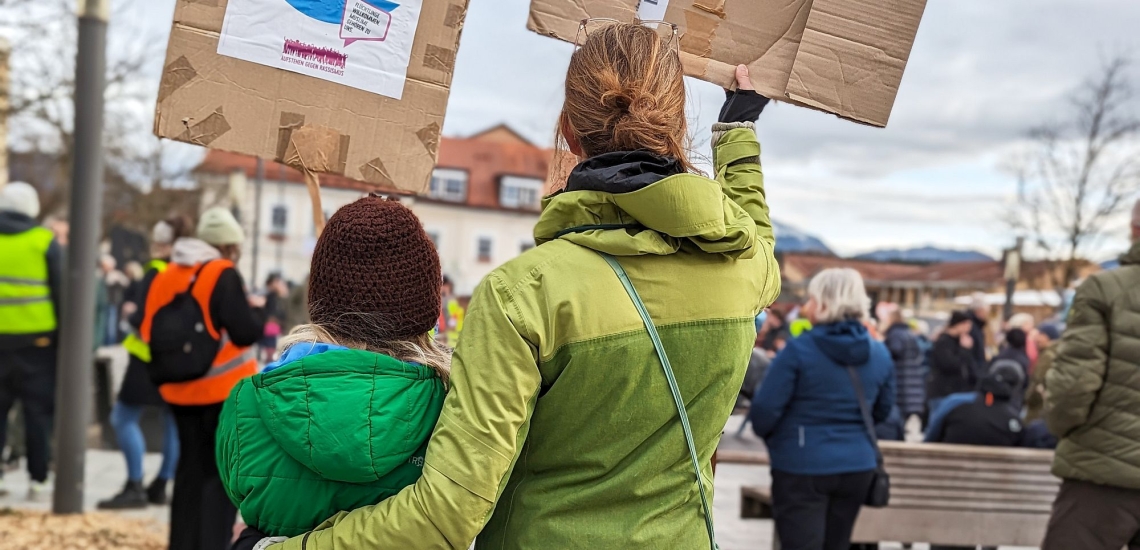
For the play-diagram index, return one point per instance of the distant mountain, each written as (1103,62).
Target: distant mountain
(1110,264)
(925,255)
(790,239)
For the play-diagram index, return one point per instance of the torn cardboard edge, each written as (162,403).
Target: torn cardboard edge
(811,53)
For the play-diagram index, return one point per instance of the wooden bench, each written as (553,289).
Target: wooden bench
(946,494)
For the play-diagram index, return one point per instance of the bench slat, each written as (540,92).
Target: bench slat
(951,527)
(947,494)
(1013,489)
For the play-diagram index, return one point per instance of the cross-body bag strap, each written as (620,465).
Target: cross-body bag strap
(652,329)
(868,423)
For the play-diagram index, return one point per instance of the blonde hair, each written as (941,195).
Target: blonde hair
(625,91)
(839,294)
(423,349)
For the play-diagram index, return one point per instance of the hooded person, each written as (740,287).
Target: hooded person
(808,413)
(138,392)
(30,297)
(201,515)
(554,349)
(343,418)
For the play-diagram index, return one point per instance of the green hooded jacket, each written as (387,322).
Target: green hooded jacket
(559,430)
(328,432)
(1093,387)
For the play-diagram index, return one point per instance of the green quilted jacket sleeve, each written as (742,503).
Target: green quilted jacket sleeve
(486,414)
(1078,370)
(736,160)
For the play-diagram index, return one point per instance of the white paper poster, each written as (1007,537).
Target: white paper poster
(365,44)
(652,10)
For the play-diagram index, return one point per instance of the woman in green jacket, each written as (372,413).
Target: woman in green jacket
(559,429)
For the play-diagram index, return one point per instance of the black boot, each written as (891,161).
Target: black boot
(156,492)
(133,496)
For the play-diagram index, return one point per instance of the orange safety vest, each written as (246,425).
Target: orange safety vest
(231,364)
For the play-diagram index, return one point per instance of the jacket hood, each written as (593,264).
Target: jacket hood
(191,251)
(637,203)
(846,342)
(622,172)
(1132,257)
(15,222)
(350,415)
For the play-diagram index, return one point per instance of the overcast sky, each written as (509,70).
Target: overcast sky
(981,73)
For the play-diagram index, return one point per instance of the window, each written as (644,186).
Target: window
(521,193)
(279,219)
(484,247)
(448,184)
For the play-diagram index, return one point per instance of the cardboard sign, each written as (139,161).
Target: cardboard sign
(840,56)
(314,113)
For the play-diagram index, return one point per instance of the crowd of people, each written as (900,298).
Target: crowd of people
(585,400)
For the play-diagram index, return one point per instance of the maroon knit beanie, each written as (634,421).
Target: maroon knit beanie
(375,274)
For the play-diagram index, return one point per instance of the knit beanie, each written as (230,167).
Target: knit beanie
(219,227)
(163,233)
(21,198)
(375,274)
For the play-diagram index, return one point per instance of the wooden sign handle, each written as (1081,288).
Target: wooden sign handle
(313,182)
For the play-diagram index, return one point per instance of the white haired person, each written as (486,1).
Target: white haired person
(809,413)
(30,278)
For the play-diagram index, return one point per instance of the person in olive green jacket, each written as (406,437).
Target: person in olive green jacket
(343,419)
(1092,402)
(559,429)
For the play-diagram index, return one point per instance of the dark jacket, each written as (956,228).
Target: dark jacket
(137,389)
(952,368)
(986,417)
(978,333)
(12,223)
(910,369)
(757,368)
(806,409)
(1093,386)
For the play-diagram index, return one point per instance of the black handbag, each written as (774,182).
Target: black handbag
(879,495)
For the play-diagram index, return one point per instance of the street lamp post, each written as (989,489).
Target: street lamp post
(76,338)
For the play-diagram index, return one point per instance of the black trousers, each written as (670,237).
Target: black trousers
(817,512)
(201,515)
(28,374)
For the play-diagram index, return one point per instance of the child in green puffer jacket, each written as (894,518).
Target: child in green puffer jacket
(342,420)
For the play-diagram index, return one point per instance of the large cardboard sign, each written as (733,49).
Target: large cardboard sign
(841,56)
(355,87)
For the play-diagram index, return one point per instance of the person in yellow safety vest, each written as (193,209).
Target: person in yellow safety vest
(30,278)
(450,316)
(137,391)
(201,515)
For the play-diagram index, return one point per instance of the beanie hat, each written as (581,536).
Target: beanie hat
(162,233)
(20,198)
(218,227)
(1050,330)
(1016,338)
(959,317)
(375,274)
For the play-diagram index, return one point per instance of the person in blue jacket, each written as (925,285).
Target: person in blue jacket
(808,413)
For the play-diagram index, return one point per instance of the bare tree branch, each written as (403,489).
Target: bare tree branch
(1078,176)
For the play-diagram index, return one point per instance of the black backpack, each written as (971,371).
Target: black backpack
(181,349)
